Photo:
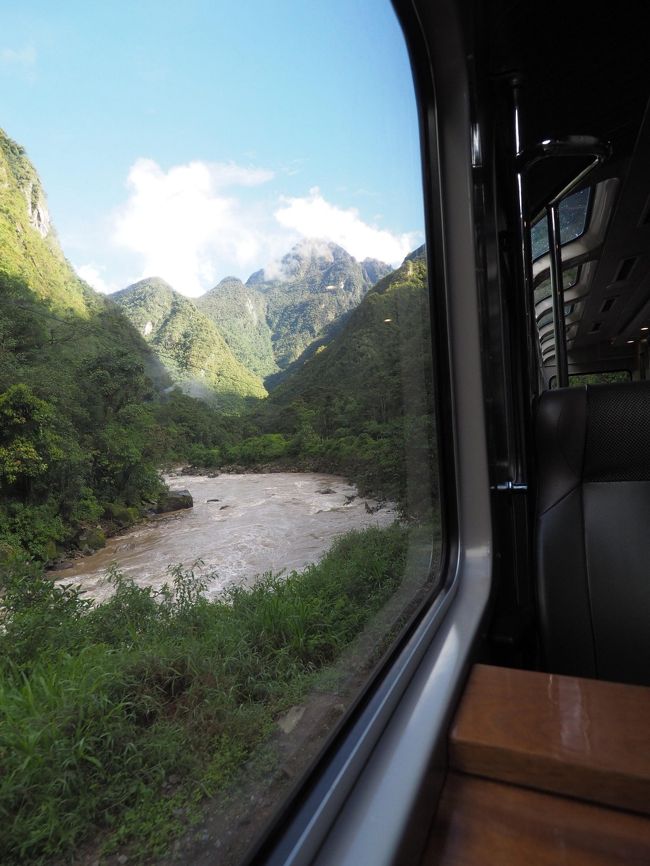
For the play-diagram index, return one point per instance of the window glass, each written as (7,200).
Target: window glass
(611,378)
(547,317)
(573,216)
(579,380)
(543,290)
(218,453)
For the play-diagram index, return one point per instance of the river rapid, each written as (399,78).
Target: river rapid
(241,526)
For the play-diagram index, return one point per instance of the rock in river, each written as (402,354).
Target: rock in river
(174,501)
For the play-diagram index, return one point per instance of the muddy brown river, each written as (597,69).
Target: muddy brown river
(241,526)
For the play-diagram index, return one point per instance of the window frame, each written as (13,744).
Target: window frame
(585,226)
(360,800)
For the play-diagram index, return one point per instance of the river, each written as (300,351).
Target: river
(241,526)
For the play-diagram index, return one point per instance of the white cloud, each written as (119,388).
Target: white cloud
(231,174)
(23,57)
(195,223)
(183,224)
(314,217)
(92,274)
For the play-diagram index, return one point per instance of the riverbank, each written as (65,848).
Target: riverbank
(241,526)
(160,702)
(110,528)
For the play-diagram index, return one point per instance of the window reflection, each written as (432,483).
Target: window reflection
(573,216)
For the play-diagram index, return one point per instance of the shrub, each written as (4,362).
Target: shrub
(100,706)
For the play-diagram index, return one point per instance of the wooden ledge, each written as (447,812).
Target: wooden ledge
(481,822)
(570,736)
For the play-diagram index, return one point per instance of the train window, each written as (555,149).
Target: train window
(547,317)
(573,219)
(543,291)
(611,377)
(219,507)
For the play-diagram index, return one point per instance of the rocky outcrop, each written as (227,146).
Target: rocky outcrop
(174,500)
(39,216)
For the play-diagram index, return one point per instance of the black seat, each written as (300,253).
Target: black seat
(593,530)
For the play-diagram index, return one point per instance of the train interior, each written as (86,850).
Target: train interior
(562,213)
(582,132)
(575,307)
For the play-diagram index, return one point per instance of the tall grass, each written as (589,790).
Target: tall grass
(119,718)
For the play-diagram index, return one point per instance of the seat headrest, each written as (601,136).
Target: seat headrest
(617,447)
(592,433)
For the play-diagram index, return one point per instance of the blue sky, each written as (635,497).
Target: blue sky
(196,139)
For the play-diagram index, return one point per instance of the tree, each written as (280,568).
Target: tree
(117,379)
(29,440)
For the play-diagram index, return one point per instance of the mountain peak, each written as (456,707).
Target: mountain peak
(228,283)
(417,255)
(307,253)
(307,289)
(27,180)
(374,270)
(149,284)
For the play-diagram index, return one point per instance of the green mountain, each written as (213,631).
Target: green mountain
(271,324)
(382,342)
(188,344)
(239,312)
(76,383)
(327,334)
(363,394)
(312,286)
(53,326)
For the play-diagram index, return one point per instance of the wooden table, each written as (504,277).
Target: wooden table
(547,770)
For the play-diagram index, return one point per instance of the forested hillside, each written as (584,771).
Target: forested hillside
(312,286)
(239,312)
(188,344)
(363,395)
(82,427)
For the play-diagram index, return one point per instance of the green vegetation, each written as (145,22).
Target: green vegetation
(74,383)
(239,312)
(188,345)
(117,720)
(86,416)
(347,409)
(120,718)
(312,286)
(611,377)
(31,255)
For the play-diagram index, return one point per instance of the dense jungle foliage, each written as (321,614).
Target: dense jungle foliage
(117,720)
(86,415)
